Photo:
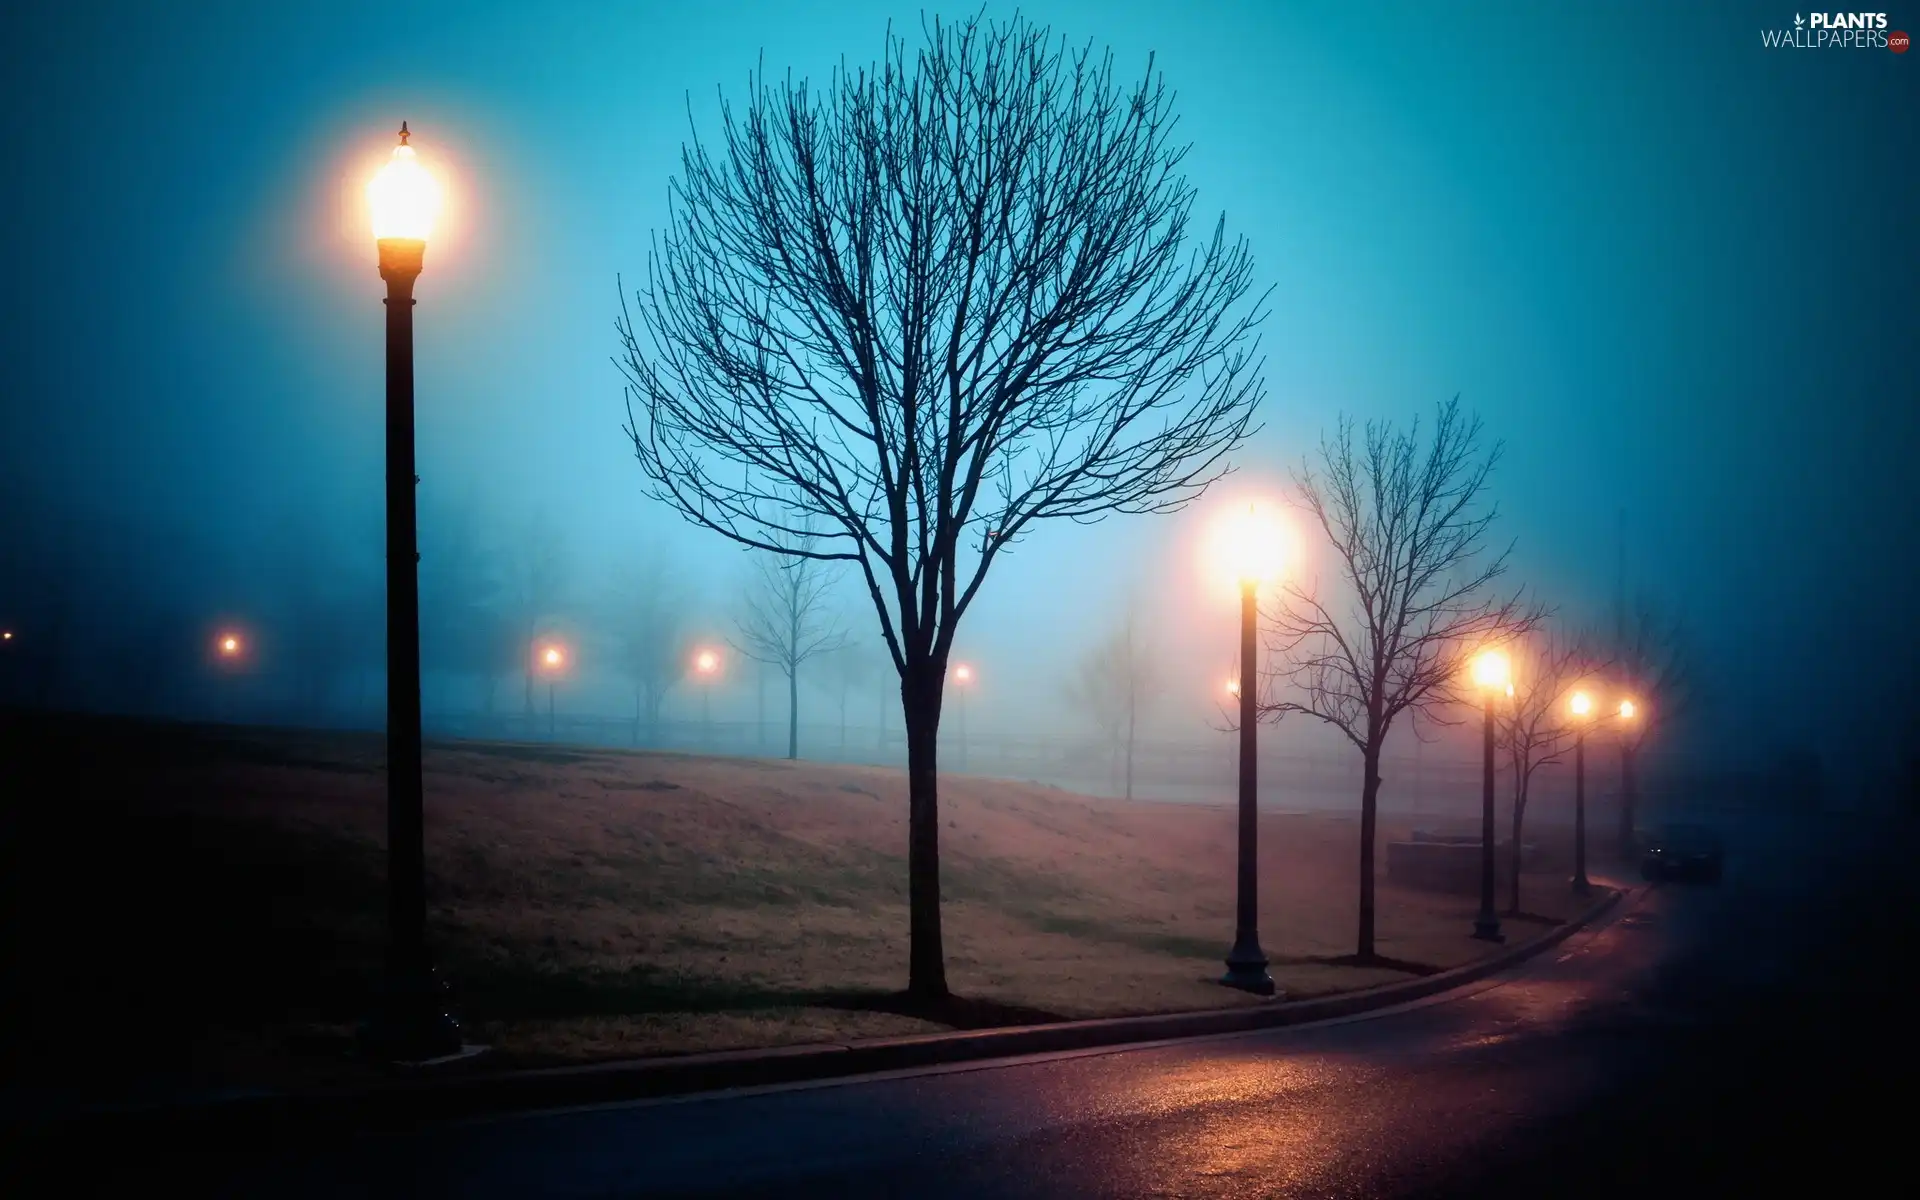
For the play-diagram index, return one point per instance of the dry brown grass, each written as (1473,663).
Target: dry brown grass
(596,904)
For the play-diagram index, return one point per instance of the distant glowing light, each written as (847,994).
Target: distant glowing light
(1582,704)
(706,662)
(6,636)
(229,645)
(1233,687)
(553,656)
(404,195)
(1627,710)
(1490,671)
(963,673)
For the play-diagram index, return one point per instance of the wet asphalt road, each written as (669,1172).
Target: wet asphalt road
(1703,1041)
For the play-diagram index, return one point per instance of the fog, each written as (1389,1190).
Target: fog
(1675,276)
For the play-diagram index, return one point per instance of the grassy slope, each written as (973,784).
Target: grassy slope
(226,886)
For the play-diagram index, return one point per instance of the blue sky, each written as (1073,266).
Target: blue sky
(1674,272)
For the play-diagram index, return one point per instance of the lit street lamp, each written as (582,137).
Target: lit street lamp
(706,668)
(1629,712)
(1250,546)
(1582,706)
(553,660)
(963,677)
(1490,674)
(413,1023)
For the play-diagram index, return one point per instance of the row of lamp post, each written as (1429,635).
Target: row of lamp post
(1252,543)
(413,1022)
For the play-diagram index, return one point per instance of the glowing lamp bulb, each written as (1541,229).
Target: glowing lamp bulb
(1627,710)
(553,657)
(404,196)
(706,662)
(963,673)
(7,636)
(1490,671)
(1233,687)
(1250,545)
(1582,704)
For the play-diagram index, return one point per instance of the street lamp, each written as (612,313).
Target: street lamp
(413,1024)
(1249,546)
(963,677)
(706,666)
(1492,677)
(1582,706)
(1629,712)
(553,660)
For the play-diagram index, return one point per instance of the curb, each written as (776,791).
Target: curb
(405,1103)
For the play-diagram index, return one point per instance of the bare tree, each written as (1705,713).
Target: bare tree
(789,619)
(649,623)
(1407,518)
(1536,727)
(1115,684)
(461,590)
(853,667)
(1650,667)
(536,578)
(944,298)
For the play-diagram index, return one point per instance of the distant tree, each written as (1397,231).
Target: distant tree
(789,619)
(921,310)
(461,594)
(1115,684)
(1535,727)
(535,587)
(851,668)
(1650,665)
(1406,517)
(650,622)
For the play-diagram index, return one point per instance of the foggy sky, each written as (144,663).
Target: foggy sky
(1673,271)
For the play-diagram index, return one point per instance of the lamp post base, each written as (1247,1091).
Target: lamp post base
(1487,929)
(412,1023)
(1581,886)
(1247,968)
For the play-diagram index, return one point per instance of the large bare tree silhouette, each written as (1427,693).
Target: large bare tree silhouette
(920,310)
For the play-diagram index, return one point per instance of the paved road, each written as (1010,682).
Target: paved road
(1688,1046)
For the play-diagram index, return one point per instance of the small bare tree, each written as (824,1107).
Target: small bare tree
(1650,667)
(1407,518)
(649,623)
(536,577)
(1536,726)
(941,300)
(789,619)
(1114,686)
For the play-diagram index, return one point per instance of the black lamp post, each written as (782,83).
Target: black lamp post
(413,1023)
(1252,546)
(1582,706)
(1490,672)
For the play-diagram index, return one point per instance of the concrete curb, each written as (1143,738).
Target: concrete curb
(406,1102)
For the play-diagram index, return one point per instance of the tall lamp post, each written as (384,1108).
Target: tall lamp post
(706,668)
(553,660)
(1491,675)
(413,1023)
(1582,706)
(963,677)
(1252,546)
(1629,712)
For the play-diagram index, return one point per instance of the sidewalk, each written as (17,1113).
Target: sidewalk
(467,1089)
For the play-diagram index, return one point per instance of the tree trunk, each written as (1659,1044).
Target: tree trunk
(793,711)
(1369,824)
(920,695)
(1132,713)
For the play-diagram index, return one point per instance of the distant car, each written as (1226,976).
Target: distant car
(1683,853)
